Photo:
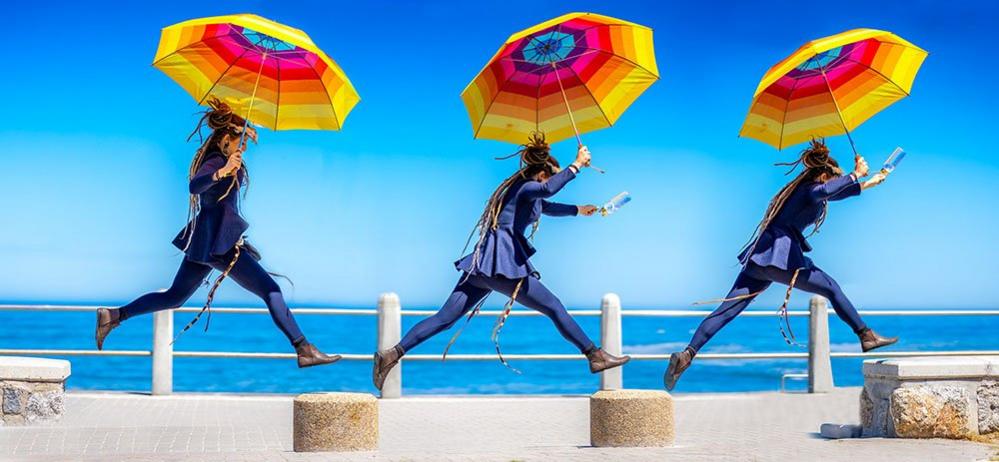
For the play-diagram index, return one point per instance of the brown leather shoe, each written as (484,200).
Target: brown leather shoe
(309,355)
(385,360)
(106,320)
(601,360)
(870,340)
(678,362)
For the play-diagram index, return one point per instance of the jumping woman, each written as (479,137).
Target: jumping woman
(500,260)
(213,238)
(775,253)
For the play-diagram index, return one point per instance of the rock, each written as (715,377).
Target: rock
(631,418)
(840,431)
(931,411)
(43,406)
(335,422)
(11,401)
(988,407)
(866,409)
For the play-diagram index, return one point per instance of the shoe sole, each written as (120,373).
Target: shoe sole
(882,346)
(333,358)
(374,372)
(626,360)
(674,359)
(97,332)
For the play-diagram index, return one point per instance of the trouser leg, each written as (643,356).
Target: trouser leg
(534,295)
(728,310)
(816,281)
(185,283)
(248,273)
(466,294)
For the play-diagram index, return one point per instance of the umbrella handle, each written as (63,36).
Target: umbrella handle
(572,120)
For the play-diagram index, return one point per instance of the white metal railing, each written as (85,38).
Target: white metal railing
(389,318)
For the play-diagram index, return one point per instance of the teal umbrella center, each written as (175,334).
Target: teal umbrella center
(821,60)
(266,41)
(550,47)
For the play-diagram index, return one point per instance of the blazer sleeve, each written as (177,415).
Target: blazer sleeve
(538,190)
(203,178)
(835,189)
(556,209)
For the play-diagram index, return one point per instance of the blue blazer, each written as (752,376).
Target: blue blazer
(218,227)
(782,244)
(506,251)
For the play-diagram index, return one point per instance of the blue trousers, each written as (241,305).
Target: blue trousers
(471,290)
(756,278)
(246,272)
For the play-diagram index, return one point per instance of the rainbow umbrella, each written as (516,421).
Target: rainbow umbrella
(830,86)
(271,73)
(575,73)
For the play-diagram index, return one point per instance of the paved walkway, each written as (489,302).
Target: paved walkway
(710,427)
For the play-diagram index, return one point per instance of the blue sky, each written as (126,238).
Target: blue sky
(93,177)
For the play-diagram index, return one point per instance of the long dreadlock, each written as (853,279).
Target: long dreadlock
(223,122)
(535,157)
(220,118)
(818,166)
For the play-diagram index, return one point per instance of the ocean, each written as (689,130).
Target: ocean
(356,334)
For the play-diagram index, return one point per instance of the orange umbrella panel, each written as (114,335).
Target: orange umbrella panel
(830,86)
(273,72)
(596,65)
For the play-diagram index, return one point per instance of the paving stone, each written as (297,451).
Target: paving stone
(99,427)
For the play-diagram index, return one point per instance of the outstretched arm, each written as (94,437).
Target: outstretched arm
(556,209)
(538,190)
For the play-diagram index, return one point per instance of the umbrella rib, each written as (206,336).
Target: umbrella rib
(189,45)
(613,54)
(226,71)
(537,103)
(490,106)
(886,79)
(277,106)
(328,97)
(588,92)
(787,105)
(838,111)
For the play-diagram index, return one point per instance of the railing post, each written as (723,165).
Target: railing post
(389,334)
(162,352)
(610,340)
(820,378)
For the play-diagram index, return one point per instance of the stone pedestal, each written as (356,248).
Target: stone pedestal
(335,422)
(631,418)
(32,389)
(933,397)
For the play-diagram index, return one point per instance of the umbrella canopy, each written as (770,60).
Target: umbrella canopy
(830,86)
(270,73)
(575,73)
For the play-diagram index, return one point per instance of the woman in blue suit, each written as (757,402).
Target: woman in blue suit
(213,238)
(776,252)
(500,261)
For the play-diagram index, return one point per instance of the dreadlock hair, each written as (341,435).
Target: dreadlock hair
(220,118)
(818,166)
(535,157)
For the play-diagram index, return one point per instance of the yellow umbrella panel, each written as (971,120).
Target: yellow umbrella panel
(270,72)
(830,86)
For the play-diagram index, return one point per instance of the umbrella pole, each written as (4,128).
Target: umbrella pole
(572,120)
(839,112)
(253,96)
